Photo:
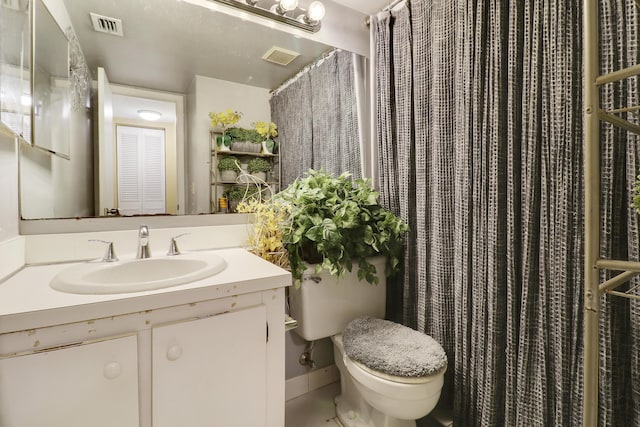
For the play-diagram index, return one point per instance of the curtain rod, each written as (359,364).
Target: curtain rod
(304,70)
(390,6)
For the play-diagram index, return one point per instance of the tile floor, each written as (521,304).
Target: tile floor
(316,409)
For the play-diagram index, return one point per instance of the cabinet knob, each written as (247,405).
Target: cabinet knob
(174,352)
(112,370)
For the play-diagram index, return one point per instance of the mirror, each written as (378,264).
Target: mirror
(15,65)
(177,52)
(51,92)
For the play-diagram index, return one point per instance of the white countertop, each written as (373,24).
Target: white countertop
(27,301)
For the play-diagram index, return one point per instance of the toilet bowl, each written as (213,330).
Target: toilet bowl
(374,398)
(379,387)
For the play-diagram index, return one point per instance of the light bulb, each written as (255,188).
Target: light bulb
(316,11)
(288,4)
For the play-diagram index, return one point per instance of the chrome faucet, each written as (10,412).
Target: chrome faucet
(144,251)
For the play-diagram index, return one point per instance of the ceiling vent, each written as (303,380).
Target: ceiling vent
(280,56)
(104,24)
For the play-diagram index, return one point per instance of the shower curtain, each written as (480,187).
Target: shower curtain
(317,114)
(479,129)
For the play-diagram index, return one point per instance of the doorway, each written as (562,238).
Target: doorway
(141,170)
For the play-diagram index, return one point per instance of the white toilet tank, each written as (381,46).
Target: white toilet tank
(324,304)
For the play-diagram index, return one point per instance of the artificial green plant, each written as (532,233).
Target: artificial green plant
(338,222)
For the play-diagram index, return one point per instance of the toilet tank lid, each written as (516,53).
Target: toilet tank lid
(392,348)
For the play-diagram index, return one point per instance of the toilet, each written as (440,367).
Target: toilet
(390,375)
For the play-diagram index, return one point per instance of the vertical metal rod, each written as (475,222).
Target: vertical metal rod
(592,213)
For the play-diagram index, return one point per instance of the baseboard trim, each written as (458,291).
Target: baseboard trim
(302,384)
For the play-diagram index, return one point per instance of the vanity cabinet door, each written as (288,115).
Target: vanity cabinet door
(211,371)
(86,385)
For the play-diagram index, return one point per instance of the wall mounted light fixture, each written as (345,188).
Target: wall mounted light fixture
(149,115)
(284,11)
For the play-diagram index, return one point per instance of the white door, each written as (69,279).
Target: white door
(88,385)
(141,170)
(211,371)
(105,172)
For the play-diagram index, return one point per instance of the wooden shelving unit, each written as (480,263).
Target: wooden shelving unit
(218,186)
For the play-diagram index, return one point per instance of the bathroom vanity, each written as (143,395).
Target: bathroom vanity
(210,352)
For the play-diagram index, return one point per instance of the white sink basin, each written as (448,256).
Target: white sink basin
(133,275)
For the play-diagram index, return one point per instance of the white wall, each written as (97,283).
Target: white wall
(12,253)
(8,188)
(213,95)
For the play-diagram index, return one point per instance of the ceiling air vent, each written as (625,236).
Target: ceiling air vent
(280,56)
(104,24)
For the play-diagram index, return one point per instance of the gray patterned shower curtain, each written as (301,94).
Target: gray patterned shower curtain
(479,123)
(318,119)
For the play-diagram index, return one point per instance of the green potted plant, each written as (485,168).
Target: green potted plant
(338,223)
(237,138)
(259,167)
(229,166)
(244,140)
(255,141)
(239,193)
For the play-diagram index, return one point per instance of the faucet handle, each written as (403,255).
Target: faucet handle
(173,246)
(110,254)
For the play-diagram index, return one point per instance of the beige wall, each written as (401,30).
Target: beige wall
(213,95)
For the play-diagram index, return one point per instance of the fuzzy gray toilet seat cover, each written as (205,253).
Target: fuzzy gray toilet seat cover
(392,348)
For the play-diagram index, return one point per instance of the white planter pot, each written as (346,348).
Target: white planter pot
(260,175)
(265,149)
(228,175)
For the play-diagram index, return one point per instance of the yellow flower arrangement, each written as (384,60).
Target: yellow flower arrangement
(266,130)
(270,221)
(225,118)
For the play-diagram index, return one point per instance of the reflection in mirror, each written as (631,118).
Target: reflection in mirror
(51,93)
(178,52)
(15,57)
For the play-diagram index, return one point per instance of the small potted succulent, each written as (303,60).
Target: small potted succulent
(259,167)
(229,166)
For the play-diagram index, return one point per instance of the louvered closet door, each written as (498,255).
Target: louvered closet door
(141,170)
